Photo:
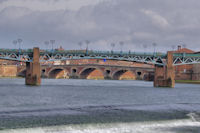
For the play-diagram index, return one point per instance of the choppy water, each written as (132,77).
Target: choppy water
(98,106)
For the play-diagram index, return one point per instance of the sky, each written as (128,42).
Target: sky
(137,23)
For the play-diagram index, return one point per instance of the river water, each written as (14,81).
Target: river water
(98,106)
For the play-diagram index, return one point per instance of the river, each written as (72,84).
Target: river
(98,106)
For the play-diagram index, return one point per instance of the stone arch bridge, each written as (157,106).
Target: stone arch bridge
(93,71)
(164,63)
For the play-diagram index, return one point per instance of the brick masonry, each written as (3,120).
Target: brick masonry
(8,70)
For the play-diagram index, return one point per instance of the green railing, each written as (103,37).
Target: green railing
(185,55)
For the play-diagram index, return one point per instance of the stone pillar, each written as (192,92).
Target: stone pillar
(170,72)
(33,72)
(164,75)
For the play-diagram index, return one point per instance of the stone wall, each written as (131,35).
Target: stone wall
(8,70)
(196,72)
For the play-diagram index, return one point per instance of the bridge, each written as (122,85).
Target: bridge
(164,63)
(93,71)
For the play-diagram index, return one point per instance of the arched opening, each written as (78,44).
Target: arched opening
(91,73)
(58,73)
(43,70)
(74,71)
(124,75)
(107,72)
(139,75)
(43,73)
(22,73)
(127,76)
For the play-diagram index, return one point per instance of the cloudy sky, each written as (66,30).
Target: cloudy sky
(102,22)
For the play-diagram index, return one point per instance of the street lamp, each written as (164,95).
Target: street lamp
(15,43)
(19,41)
(80,44)
(52,43)
(154,45)
(112,45)
(121,43)
(47,44)
(87,43)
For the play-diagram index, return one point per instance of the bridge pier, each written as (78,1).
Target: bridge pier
(33,72)
(164,75)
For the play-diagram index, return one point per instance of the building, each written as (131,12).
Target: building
(187,72)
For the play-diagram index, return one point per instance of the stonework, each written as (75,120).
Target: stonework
(8,70)
(33,70)
(164,75)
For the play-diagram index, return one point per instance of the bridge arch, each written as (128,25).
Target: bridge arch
(140,75)
(58,73)
(22,73)
(123,74)
(91,73)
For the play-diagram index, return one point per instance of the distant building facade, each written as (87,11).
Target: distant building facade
(187,72)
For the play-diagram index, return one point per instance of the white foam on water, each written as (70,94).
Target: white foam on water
(140,127)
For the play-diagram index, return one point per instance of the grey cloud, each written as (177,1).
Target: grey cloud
(135,22)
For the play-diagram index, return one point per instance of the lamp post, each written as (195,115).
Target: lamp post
(121,43)
(154,46)
(80,44)
(15,43)
(52,43)
(47,44)
(19,42)
(87,44)
(112,45)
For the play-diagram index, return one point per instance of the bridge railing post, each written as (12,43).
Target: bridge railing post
(33,72)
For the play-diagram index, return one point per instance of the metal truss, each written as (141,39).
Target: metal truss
(50,56)
(15,56)
(184,59)
(132,57)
